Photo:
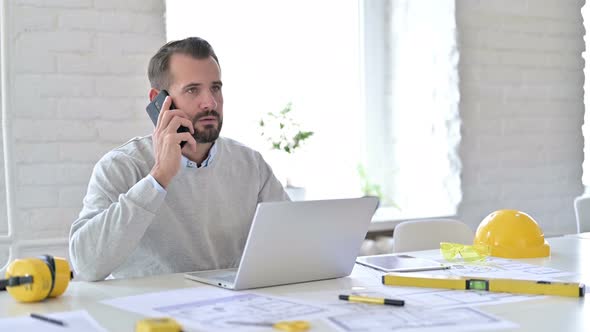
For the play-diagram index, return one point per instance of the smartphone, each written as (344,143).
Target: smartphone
(154,107)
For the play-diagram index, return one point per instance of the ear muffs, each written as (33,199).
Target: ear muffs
(35,279)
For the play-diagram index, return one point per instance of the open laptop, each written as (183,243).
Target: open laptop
(291,242)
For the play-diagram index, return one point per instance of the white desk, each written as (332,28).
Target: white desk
(548,314)
(585,235)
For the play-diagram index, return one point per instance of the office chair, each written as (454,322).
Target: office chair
(582,208)
(429,233)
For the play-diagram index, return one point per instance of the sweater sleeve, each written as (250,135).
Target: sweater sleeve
(114,218)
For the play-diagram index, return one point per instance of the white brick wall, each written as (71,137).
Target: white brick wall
(521,108)
(79,73)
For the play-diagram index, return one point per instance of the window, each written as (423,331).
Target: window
(413,109)
(376,99)
(303,52)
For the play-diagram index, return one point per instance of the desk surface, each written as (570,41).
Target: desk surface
(548,314)
(580,235)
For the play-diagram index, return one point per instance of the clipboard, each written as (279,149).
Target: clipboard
(400,263)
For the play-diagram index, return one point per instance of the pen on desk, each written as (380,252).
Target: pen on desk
(48,319)
(372,300)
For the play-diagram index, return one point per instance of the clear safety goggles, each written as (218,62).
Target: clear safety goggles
(469,253)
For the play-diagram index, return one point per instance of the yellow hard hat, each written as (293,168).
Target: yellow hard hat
(512,234)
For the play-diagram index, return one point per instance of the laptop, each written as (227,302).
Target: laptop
(292,242)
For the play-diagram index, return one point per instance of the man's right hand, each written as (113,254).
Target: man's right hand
(167,140)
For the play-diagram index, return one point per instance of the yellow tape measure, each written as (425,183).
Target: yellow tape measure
(158,325)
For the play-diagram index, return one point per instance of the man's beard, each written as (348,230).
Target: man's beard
(209,134)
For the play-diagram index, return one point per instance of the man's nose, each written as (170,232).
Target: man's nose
(208,102)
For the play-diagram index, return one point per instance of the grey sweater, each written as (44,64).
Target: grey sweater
(127,228)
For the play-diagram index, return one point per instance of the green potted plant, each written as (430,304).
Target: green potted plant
(284,135)
(370,188)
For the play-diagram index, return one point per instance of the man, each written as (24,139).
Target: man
(155,207)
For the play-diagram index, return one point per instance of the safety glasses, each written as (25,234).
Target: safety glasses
(469,253)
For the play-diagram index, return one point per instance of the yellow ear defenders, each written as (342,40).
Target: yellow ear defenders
(35,279)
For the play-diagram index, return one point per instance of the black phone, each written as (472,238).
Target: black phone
(154,107)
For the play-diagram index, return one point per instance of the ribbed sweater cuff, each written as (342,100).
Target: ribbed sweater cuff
(144,194)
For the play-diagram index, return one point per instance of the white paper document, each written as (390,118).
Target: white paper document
(73,321)
(424,310)
(495,267)
(441,298)
(492,267)
(214,309)
(387,318)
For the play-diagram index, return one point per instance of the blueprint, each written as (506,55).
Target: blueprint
(386,318)
(446,298)
(217,312)
(426,309)
(495,267)
(210,309)
(492,267)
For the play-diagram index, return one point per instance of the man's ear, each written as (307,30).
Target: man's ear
(153,93)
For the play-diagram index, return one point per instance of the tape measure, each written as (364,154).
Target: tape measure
(158,325)
(35,279)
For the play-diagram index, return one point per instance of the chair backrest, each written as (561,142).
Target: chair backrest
(429,233)
(582,208)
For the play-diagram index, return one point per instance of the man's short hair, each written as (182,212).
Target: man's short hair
(159,67)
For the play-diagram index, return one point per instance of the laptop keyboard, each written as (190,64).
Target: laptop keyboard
(230,277)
